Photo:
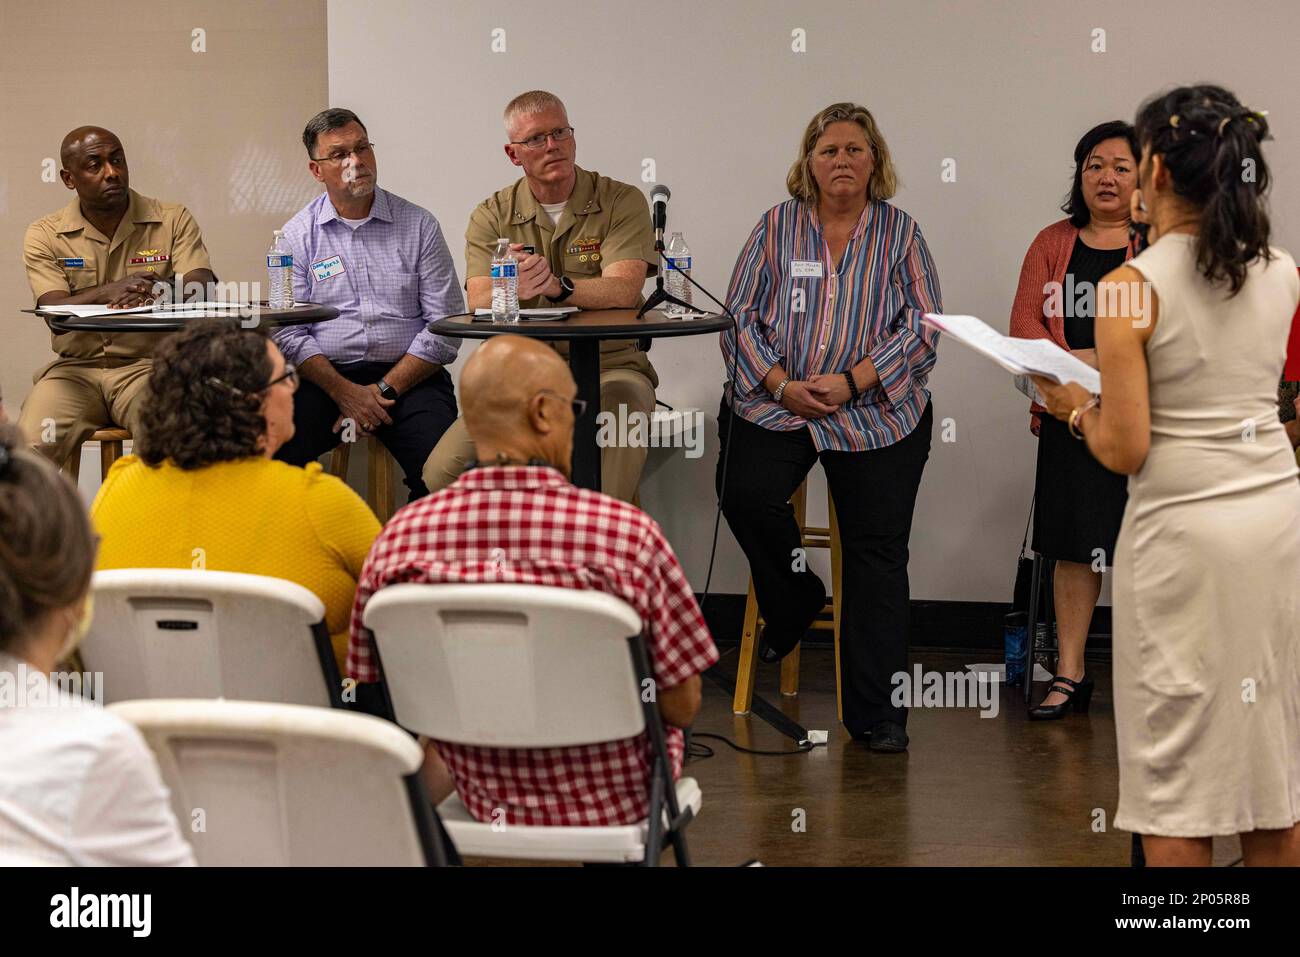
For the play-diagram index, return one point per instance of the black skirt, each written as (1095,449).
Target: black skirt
(1078,502)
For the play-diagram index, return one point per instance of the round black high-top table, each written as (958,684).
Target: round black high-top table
(166,320)
(584,331)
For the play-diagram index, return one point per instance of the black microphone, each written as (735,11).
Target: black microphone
(659,197)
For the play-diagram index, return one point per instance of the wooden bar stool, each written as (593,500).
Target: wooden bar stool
(811,537)
(379,475)
(110,439)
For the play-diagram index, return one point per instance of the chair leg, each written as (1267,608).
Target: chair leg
(339,460)
(379,480)
(837,565)
(790,673)
(1031,635)
(747,667)
(655,820)
(109,452)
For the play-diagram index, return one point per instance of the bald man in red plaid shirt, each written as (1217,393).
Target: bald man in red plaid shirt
(516,519)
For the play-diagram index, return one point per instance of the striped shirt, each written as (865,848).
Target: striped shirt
(388,278)
(794,307)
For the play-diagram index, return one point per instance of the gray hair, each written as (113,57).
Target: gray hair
(534,101)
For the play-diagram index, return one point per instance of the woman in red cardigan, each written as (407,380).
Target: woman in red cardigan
(1078,503)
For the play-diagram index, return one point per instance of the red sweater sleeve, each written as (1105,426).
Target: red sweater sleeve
(1027,319)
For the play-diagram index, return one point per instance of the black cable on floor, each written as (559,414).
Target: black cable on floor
(801,749)
(698,752)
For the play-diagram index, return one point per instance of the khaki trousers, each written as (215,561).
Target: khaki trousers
(620,467)
(71,398)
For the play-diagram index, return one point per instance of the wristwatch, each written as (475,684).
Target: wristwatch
(386,390)
(566,290)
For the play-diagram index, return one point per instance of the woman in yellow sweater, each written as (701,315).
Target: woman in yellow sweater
(203,491)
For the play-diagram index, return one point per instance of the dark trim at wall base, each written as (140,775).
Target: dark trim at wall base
(935,624)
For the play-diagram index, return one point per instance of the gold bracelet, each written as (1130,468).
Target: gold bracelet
(1077,414)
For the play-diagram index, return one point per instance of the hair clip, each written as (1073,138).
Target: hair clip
(1173,121)
(1224,122)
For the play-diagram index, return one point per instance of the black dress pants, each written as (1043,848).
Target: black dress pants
(874,494)
(420,416)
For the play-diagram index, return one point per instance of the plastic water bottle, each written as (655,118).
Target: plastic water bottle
(279,273)
(505,283)
(678,255)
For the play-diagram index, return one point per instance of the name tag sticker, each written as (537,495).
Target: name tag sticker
(805,269)
(327,268)
(72,263)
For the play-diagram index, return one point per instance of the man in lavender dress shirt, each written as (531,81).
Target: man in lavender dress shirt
(383,263)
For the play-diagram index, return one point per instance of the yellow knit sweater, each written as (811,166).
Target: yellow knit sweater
(252,515)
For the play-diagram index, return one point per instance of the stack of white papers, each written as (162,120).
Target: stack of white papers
(551,312)
(1018,356)
(172,310)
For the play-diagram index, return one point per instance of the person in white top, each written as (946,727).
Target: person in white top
(1207,619)
(78,785)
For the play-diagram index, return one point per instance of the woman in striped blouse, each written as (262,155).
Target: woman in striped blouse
(830,361)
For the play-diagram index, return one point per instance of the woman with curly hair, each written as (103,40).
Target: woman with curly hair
(204,491)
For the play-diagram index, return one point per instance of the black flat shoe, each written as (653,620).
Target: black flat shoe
(770,655)
(766,653)
(1078,694)
(888,737)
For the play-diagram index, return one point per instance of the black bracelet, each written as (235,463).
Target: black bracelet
(854,394)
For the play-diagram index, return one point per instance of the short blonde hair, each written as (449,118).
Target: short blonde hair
(534,101)
(884,181)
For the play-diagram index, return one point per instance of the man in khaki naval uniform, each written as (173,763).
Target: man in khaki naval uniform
(98,378)
(594,249)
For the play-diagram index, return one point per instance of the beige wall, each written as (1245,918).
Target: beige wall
(714,94)
(218,130)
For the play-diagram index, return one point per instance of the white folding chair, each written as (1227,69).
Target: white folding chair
(283,785)
(526,666)
(184,633)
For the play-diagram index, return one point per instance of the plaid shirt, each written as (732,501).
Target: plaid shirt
(529,525)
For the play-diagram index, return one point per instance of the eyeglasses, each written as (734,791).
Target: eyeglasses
(562,135)
(579,405)
(361,151)
(290,375)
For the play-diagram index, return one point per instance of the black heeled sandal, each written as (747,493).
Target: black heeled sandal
(1078,694)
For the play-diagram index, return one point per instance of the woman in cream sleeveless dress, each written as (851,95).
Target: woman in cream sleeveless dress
(1207,564)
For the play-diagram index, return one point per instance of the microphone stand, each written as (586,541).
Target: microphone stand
(659,296)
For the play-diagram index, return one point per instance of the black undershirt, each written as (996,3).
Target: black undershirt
(1087,265)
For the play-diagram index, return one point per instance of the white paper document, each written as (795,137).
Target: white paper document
(551,312)
(170,311)
(1018,356)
